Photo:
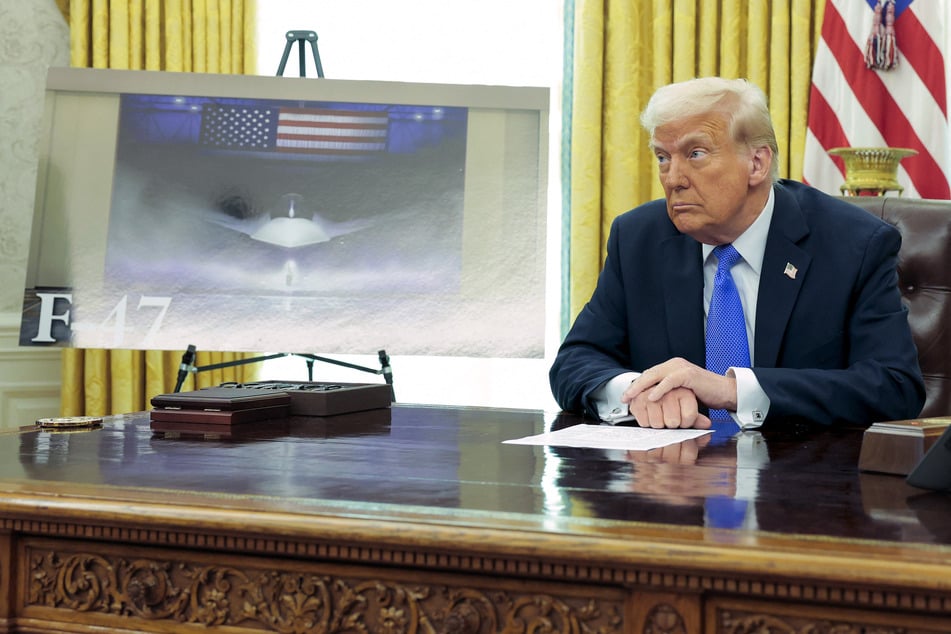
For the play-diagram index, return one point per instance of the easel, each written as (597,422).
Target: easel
(188,359)
(300,37)
(188,365)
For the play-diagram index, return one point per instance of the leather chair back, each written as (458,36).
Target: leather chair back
(924,275)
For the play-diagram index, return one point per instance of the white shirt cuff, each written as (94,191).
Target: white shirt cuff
(607,398)
(752,404)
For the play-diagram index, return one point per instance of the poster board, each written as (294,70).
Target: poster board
(248,213)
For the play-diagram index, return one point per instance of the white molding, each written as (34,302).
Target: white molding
(30,377)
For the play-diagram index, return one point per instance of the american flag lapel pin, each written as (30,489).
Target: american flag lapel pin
(790,271)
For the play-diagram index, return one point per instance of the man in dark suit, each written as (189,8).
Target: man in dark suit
(827,333)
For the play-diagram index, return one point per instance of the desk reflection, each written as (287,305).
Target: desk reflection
(342,457)
(783,480)
(709,481)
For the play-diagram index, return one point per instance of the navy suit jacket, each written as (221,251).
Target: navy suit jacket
(832,342)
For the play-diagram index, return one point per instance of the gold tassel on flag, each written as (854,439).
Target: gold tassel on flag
(881,51)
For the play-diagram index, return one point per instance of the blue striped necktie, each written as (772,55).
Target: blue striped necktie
(727,345)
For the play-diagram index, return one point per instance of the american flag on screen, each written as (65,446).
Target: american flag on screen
(897,98)
(237,127)
(332,132)
(326,131)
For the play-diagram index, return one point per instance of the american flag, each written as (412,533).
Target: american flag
(326,131)
(237,127)
(852,104)
(333,132)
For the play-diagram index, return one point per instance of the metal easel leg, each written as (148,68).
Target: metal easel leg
(300,37)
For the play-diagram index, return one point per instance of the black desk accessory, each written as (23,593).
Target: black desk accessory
(323,399)
(934,469)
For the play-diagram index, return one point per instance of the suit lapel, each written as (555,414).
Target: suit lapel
(683,297)
(784,268)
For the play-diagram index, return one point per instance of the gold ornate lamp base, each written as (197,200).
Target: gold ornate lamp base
(871,171)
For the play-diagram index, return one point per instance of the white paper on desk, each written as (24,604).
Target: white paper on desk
(611,437)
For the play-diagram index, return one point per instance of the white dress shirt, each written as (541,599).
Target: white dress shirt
(752,402)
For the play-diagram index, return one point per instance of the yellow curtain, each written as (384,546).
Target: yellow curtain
(211,36)
(623,51)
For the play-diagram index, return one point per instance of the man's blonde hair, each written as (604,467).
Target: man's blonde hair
(742,102)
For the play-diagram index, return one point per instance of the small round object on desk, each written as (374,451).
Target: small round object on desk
(70,422)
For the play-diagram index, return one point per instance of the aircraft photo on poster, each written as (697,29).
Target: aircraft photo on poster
(262,196)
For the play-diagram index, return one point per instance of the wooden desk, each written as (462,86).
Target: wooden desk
(420,520)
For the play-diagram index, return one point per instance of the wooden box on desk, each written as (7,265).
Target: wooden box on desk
(216,408)
(897,446)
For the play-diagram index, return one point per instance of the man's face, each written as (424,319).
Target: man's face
(706,178)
